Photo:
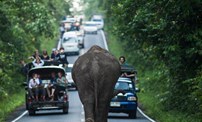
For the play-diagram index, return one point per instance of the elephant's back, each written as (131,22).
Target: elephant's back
(95,63)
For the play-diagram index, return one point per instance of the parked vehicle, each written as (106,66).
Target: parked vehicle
(90,27)
(60,100)
(125,99)
(68,22)
(68,70)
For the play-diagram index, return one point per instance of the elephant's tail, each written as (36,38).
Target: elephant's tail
(96,97)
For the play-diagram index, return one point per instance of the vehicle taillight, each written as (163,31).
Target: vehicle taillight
(29,100)
(65,98)
(77,24)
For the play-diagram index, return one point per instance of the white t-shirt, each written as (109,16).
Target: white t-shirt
(38,65)
(62,29)
(33,83)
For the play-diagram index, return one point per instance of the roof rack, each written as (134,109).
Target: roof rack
(52,63)
(47,63)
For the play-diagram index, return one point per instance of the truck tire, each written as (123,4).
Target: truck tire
(132,115)
(65,110)
(31,112)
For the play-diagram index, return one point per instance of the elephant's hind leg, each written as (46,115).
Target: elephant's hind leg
(89,120)
(89,111)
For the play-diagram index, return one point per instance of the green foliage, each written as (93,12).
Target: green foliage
(24,25)
(164,37)
(10,103)
(93,5)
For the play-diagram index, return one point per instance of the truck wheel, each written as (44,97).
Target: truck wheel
(76,88)
(26,100)
(77,53)
(65,110)
(132,115)
(31,112)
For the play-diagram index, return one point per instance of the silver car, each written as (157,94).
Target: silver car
(90,27)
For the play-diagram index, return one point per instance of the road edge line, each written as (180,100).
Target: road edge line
(59,44)
(145,115)
(19,116)
(105,43)
(104,38)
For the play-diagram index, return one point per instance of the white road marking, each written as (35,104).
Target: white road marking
(20,116)
(145,115)
(82,114)
(82,51)
(104,39)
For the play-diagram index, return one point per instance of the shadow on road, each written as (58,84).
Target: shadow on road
(118,117)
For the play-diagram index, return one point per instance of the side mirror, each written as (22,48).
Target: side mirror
(79,46)
(26,87)
(137,90)
(24,84)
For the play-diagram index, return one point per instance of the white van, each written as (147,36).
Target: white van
(98,19)
(70,43)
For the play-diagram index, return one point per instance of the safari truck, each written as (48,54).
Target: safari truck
(44,101)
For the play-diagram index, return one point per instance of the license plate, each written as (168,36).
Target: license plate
(115,104)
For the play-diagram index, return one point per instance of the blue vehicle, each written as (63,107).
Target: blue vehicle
(125,100)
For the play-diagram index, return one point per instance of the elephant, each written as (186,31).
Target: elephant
(95,74)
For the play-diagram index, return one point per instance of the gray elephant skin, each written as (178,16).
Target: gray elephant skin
(95,74)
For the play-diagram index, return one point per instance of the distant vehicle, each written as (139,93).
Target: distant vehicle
(68,22)
(80,37)
(68,70)
(125,101)
(69,34)
(98,19)
(76,34)
(61,97)
(75,26)
(71,45)
(90,27)
(71,20)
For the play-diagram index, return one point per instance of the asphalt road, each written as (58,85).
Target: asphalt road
(76,113)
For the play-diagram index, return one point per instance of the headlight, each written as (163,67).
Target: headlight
(132,98)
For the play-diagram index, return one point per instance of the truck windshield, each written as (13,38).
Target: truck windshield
(123,86)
